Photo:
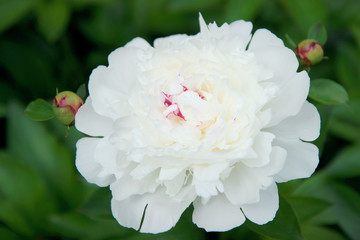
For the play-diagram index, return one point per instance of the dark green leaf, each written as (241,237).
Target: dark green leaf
(26,199)
(7,234)
(190,5)
(78,225)
(346,164)
(347,209)
(28,65)
(245,9)
(345,121)
(347,62)
(285,226)
(314,10)
(53,19)
(307,207)
(318,33)
(328,92)
(42,152)
(39,110)
(312,232)
(81,91)
(12,11)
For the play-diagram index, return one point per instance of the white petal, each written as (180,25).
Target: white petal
(264,210)
(280,61)
(128,186)
(302,159)
(217,215)
(172,41)
(106,155)
(138,43)
(209,172)
(110,92)
(241,29)
(305,125)
(262,146)
(242,186)
(86,164)
(290,98)
(161,213)
(91,123)
(263,38)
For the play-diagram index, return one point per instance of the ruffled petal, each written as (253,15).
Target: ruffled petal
(301,161)
(218,214)
(264,210)
(262,146)
(305,125)
(91,123)
(160,212)
(127,186)
(86,163)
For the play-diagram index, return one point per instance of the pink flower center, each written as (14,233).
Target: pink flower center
(173,107)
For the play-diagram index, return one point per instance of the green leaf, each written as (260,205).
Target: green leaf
(39,110)
(346,164)
(26,200)
(245,9)
(307,207)
(328,92)
(28,63)
(12,11)
(7,234)
(190,5)
(318,33)
(80,226)
(347,209)
(347,62)
(285,226)
(81,91)
(306,12)
(43,153)
(312,232)
(345,121)
(53,19)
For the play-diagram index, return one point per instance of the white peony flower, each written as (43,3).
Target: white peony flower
(214,119)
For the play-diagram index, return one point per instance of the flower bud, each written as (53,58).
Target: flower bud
(65,105)
(309,52)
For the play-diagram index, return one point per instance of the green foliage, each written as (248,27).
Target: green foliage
(50,44)
(39,110)
(328,92)
(285,226)
(318,33)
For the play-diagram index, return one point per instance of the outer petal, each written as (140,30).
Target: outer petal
(281,61)
(264,210)
(263,38)
(302,159)
(91,123)
(162,213)
(305,125)
(217,215)
(242,186)
(110,92)
(290,98)
(86,164)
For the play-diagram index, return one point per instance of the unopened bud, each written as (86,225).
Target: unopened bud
(65,105)
(309,52)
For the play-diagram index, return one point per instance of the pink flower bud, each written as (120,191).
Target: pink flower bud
(65,105)
(309,52)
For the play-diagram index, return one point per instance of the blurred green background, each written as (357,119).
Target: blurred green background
(50,44)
